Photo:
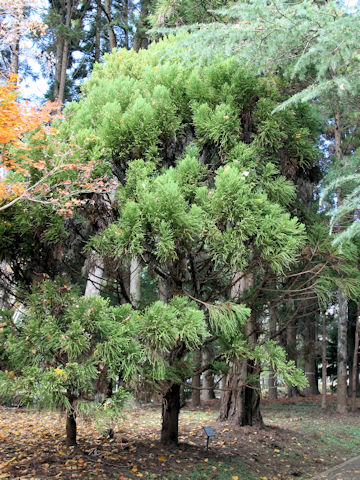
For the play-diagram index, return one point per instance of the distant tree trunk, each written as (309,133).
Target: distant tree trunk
(141,39)
(324,363)
(195,394)
(310,357)
(58,62)
(170,415)
(135,281)
(65,54)
(351,329)
(15,53)
(341,394)
(273,394)
(111,33)
(355,364)
(126,23)
(240,403)
(291,353)
(208,377)
(98,33)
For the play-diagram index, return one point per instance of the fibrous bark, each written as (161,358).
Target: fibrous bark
(240,403)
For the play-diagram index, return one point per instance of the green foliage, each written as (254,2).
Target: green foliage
(285,370)
(62,343)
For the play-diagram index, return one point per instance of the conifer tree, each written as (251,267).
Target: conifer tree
(59,347)
(215,207)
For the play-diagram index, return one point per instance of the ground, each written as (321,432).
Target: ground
(298,441)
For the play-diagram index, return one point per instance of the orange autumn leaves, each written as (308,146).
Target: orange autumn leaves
(36,167)
(16,119)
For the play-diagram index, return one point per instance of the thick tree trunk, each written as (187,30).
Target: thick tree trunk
(208,377)
(195,395)
(240,403)
(341,394)
(324,363)
(170,415)
(355,364)
(310,357)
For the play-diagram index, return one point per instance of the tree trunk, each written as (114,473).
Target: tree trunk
(195,394)
(70,429)
(15,53)
(273,394)
(240,403)
(355,364)
(291,353)
(97,34)
(141,40)
(111,33)
(170,415)
(65,56)
(310,357)
(71,423)
(324,363)
(95,266)
(351,330)
(341,394)
(126,23)
(208,376)
(135,281)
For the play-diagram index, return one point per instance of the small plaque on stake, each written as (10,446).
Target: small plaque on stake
(209,433)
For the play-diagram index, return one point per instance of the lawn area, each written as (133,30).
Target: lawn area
(297,441)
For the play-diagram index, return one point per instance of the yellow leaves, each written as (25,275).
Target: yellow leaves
(276,450)
(162,458)
(234,477)
(206,459)
(298,135)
